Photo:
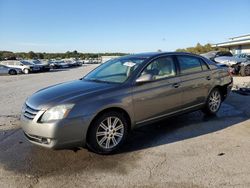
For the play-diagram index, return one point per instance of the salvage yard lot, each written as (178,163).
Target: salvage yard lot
(189,151)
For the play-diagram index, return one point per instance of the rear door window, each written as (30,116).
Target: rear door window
(189,64)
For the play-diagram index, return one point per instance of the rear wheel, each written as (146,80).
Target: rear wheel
(107,133)
(213,102)
(12,72)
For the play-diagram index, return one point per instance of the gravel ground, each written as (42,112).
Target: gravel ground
(242,82)
(189,151)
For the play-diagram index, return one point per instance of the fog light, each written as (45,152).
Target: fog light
(46,140)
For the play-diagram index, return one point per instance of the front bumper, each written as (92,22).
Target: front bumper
(59,134)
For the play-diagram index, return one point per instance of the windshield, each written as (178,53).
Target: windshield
(114,71)
(36,62)
(222,53)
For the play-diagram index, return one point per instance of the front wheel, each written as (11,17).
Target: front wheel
(107,133)
(26,71)
(213,102)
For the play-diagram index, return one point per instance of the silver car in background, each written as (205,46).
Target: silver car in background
(99,110)
(25,66)
(9,70)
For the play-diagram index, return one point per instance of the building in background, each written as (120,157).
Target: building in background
(237,45)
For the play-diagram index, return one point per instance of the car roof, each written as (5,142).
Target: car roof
(155,54)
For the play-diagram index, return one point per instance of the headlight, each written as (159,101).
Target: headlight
(56,113)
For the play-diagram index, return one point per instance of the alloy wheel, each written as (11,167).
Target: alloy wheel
(110,132)
(214,101)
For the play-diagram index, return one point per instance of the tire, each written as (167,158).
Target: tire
(213,103)
(102,138)
(26,71)
(245,70)
(12,72)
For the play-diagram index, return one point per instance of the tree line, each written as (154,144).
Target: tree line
(8,55)
(200,49)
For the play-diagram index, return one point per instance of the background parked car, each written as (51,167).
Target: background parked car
(237,64)
(246,56)
(73,62)
(58,64)
(213,54)
(9,70)
(33,67)
(43,65)
(25,66)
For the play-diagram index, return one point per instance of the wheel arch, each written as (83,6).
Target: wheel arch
(223,90)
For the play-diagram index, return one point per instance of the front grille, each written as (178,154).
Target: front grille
(29,112)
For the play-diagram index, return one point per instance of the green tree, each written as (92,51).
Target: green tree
(40,55)
(32,55)
(8,55)
(199,49)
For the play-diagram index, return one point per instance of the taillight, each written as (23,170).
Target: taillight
(230,71)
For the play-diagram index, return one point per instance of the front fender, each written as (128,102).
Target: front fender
(93,105)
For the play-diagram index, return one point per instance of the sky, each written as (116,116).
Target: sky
(128,26)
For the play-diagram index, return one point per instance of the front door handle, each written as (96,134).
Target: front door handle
(176,85)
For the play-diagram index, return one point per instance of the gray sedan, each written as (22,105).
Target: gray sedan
(99,110)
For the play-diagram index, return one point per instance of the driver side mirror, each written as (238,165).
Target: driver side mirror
(144,78)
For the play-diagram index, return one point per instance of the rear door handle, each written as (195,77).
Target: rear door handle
(176,85)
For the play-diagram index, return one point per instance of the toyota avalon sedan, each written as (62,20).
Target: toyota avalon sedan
(99,110)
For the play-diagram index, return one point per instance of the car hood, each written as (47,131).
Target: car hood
(64,93)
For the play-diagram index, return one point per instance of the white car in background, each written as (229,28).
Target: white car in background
(9,70)
(25,66)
